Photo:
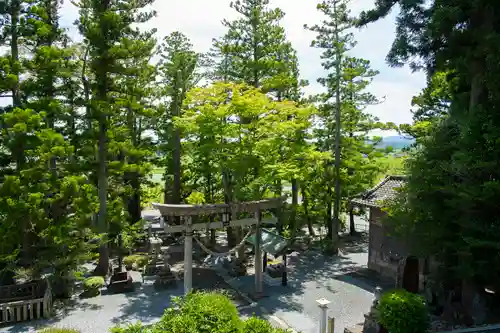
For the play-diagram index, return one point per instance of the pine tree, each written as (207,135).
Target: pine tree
(178,70)
(345,122)
(106,25)
(43,194)
(256,44)
(12,17)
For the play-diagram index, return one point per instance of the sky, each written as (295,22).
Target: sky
(200,20)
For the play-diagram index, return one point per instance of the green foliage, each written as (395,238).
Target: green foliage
(400,311)
(257,325)
(59,330)
(93,282)
(199,312)
(150,195)
(266,151)
(140,260)
(345,123)
(447,209)
(392,165)
(133,328)
(255,50)
(95,118)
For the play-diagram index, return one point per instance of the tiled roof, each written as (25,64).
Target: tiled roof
(493,328)
(383,191)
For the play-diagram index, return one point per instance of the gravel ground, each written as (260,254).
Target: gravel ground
(97,315)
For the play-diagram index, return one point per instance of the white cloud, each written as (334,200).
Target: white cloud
(201,20)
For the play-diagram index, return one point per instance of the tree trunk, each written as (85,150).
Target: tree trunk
(14,49)
(337,192)
(352,225)
(134,202)
(15,8)
(132,178)
(295,200)
(328,215)
(305,203)
(103,266)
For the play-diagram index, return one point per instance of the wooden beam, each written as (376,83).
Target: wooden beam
(240,207)
(218,225)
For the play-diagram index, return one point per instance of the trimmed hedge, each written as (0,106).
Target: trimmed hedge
(93,282)
(400,311)
(140,260)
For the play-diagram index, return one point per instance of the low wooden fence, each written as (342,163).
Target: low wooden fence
(24,302)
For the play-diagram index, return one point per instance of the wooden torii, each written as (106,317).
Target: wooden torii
(186,212)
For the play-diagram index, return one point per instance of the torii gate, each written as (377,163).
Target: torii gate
(187,211)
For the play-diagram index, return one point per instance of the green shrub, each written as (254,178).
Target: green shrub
(201,312)
(93,282)
(257,325)
(132,328)
(59,330)
(400,311)
(140,260)
(128,261)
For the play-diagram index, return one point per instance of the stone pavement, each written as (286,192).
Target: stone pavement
(313,276)
(99,314)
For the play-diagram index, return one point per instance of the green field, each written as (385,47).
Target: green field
(393,165)
(157,174)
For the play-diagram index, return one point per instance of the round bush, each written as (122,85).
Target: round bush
(93,282)
(400,311)
(202,312)
(140,260)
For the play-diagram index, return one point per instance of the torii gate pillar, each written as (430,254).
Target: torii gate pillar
(188,256)
(259,277)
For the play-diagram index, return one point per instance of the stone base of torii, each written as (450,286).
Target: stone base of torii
(186,212)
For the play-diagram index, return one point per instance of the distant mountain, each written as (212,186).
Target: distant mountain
(397,142)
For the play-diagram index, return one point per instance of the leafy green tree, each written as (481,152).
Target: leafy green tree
(255,51)
(431,106)
(211,125)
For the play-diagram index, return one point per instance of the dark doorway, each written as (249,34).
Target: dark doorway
(411,275)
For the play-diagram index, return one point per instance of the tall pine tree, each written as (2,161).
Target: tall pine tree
(345,123)
(107,27)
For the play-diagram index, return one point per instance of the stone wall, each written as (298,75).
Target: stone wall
(385,252)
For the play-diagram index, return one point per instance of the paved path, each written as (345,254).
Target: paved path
(313,276)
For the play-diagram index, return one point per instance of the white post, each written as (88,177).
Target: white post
(258,257)
(323,320)
(188,256)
